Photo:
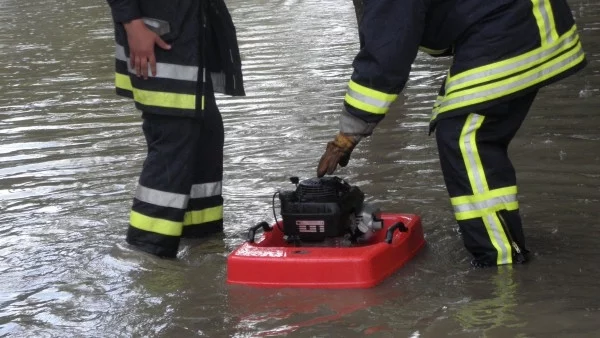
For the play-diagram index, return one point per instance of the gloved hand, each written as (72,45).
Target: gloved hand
(337,152)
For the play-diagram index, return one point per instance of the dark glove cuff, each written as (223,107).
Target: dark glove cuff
(352,125)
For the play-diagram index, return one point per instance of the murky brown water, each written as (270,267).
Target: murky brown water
(70,153)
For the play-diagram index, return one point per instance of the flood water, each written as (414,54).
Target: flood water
(71,152)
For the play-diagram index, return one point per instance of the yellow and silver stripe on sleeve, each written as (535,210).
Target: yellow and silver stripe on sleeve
(367,99)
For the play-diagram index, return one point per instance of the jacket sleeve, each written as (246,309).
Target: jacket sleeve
(124,10)
(390,34)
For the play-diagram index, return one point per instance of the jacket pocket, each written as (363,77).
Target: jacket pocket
(165,17)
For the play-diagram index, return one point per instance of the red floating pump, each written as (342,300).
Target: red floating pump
(327,238)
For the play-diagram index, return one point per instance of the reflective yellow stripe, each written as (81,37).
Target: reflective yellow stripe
(512,85)
(488,195)
(542,11)
(539,20)
(498,239)
(123,82)
(164,99)
(468,148)
(155,225)
(155,98)
(465,215)
(203,216)
(475,206)
(513,65)
(553,31)
(367,99)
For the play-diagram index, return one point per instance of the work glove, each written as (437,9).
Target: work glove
(337,152)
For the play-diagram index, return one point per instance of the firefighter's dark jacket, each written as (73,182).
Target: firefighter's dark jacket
(203,48)
(501,49)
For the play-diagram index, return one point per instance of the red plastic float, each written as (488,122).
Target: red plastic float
(272,262)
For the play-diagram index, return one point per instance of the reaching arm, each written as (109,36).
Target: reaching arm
(390,33)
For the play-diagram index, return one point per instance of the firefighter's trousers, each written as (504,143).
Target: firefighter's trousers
(179,191)
(481,180)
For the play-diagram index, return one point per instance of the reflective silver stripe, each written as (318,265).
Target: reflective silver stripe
(481,205)
(161,198)
(206,190)
(163,70)
(487,73)
(512,86)
(367,99)
(497,232)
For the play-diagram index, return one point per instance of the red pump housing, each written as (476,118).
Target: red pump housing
(272,262)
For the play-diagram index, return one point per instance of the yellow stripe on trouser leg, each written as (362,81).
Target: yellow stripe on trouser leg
(542,11)
(198,217)
(470,153)
(479,186)
(553,31)
(477,206)
(155,225)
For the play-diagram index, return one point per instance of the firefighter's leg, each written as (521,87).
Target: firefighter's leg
(204,215)
(481,180)
(157,214)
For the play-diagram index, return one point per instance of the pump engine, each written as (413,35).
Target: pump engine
(327,207)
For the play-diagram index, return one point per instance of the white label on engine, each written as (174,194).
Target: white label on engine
(310,222)
(311,226)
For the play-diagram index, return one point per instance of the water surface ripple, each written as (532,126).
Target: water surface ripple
(71,151)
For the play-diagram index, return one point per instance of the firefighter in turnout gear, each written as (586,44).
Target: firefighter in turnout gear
(171,56)
(503,52)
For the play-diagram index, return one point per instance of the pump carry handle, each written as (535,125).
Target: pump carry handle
(252,231)
(390,232)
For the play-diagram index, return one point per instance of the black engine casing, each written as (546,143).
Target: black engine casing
(319,208)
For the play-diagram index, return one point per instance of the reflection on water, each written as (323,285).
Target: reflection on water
(70,153)
(493,311)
